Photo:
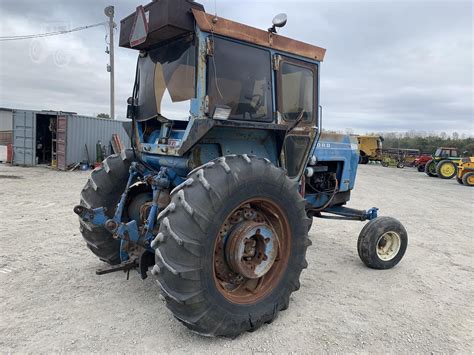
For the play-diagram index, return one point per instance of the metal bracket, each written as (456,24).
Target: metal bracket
(209,47)
(95,216)
(129,232)
(206,104)
(276,62)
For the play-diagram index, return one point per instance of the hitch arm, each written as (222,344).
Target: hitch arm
(345,213)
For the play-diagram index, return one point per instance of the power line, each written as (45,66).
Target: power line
(48,34)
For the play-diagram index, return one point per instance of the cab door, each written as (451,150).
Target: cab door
(297,107)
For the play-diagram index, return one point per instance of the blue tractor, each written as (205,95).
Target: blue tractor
(228,168)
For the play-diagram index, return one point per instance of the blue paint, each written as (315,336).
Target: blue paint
(129,232)
(245,141)
(346,152)
(345,213)
(96,216)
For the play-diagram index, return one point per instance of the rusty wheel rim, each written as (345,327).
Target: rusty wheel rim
(251,251)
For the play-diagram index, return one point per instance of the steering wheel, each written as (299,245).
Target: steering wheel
(256,101)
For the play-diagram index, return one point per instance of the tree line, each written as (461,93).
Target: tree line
(427,143)
(423,141)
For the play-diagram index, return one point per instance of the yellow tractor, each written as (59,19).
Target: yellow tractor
(465,175)
(370,148)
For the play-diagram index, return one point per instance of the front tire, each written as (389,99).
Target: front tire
(421,168)
(382,243)
(468,179)
(204,280)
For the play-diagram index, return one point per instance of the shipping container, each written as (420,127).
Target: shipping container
(61,139)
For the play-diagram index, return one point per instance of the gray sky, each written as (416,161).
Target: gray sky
(389,66)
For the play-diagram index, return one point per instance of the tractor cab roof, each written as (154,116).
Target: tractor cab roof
(168,19)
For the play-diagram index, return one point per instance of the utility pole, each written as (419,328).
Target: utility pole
(109,12)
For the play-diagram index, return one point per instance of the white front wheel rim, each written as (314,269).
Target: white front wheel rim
(388,246)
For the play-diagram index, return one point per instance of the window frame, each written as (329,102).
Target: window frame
(269,117)
(313,67)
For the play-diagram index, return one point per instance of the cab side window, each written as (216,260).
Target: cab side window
(240,79)
(297,91)
(297,100)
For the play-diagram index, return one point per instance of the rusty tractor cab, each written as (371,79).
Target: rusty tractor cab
(199,77)
(228,168)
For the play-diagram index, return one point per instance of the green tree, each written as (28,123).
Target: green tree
(427,143)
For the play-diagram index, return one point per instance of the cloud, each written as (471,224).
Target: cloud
(404,65)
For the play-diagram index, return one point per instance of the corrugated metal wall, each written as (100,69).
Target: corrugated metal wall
(80,130)
(24,137)
(83,130)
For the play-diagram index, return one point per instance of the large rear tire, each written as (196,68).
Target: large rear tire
(430,168)
(103,189)
(446,169)
(206,283)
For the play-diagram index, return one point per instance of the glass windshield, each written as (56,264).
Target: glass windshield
(240,79)
(167,81)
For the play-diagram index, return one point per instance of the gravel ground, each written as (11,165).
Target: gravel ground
(52,301)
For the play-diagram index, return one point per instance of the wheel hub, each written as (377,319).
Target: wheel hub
(447,169)
(251,249)
(388,246)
